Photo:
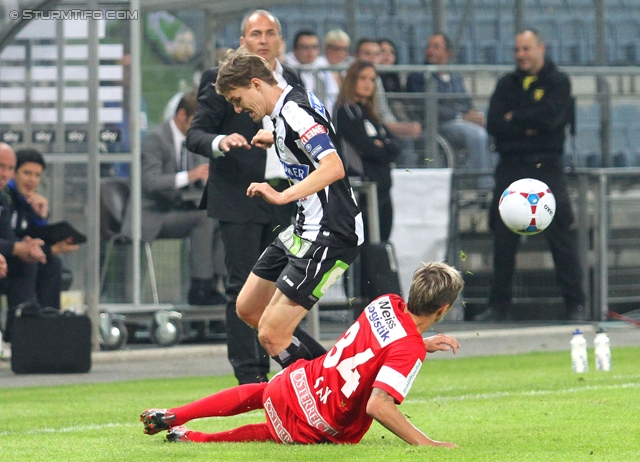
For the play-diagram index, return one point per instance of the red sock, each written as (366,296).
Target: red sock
(233,401)
(246,433)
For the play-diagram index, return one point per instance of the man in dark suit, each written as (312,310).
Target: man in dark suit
(172,180)
(248,225)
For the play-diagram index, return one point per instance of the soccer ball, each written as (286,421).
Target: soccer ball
(527,206)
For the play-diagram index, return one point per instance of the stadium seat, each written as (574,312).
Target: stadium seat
(574,42)
(620,147)
(587,142)
(627,36)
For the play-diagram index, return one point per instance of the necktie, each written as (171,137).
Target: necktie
(183,157)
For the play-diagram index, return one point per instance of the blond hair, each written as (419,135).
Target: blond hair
(434,285)
(336,35)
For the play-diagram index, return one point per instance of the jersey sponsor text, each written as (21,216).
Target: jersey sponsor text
(295,171)
(282,432)
(317,129)
(384,323)
(307,402)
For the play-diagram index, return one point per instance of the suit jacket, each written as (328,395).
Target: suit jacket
(158,171)
(7,235)
(230,175)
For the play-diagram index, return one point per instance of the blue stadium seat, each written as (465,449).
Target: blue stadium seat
(574,42)
(624,113)
(627,37)
(620,141)
(588,114)
(487,40)
(567,27)
(587,143)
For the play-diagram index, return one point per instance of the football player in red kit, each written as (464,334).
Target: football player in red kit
(334,398)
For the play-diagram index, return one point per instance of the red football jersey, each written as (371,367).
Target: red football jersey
(382,349)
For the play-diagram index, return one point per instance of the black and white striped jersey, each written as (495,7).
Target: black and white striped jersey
(303,135)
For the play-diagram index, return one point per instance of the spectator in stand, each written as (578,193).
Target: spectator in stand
(528,113)
(34,268)
(306,50)
(359,124)
(461,124)
(368,49)
(336,53)
(390,80)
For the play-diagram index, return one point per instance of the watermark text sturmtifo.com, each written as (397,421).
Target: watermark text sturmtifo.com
(29,15)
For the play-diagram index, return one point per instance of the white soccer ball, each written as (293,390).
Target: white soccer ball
(527,206)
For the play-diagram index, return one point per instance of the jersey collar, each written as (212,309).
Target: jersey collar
(280,102)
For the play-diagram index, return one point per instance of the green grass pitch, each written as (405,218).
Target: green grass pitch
(503,408)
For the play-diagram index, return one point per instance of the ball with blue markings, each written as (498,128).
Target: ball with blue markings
(527,206)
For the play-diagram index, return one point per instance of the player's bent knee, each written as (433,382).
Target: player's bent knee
(272,340)
(246,314)
(269,342)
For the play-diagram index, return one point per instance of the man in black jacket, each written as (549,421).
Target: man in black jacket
(528,112)
(26,251)
(248,225)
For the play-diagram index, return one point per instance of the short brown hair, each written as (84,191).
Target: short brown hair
(188,102)
(433,286)
(240,67)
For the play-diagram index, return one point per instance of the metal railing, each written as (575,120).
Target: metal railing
(598,91)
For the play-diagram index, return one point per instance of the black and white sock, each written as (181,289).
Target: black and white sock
(292,353)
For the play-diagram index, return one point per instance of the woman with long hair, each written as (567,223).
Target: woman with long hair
(360,126)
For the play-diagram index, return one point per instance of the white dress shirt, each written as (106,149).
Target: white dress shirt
(182,177)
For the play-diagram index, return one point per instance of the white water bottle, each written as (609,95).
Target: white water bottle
(602,351)
(579,360)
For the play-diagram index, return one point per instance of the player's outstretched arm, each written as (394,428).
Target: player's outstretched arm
(441,342)
(330,170)
(382,407)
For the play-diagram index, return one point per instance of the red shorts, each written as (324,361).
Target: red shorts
(283,423)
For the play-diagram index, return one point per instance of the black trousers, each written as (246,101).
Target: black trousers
(32,281)
(561,237)
(243,244)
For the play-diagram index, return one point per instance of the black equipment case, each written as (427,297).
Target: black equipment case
(51,343)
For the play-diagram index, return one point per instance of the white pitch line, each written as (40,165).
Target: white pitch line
(75,428)
(506,394)
(91,427)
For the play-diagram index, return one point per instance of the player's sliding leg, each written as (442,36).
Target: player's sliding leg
(233,401)
(247,433)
